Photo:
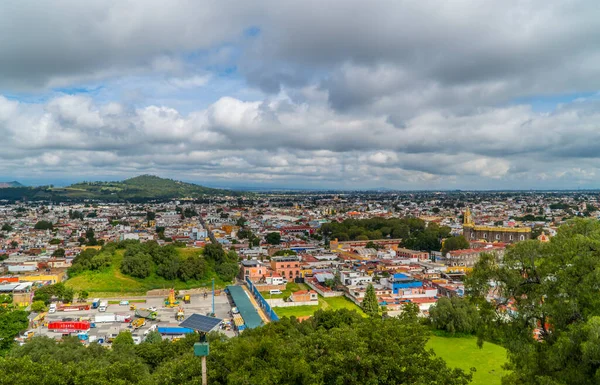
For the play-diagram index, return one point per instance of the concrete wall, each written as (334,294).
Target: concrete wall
(279,302)
(269,287)
(325,294)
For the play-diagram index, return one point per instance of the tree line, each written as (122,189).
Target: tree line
(414,233)
(333,347)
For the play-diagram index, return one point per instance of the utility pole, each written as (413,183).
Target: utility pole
(201,350)
(213,299)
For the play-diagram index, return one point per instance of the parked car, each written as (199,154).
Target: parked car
(124,303)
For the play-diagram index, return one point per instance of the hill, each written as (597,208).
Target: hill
(140,188)
(10,184)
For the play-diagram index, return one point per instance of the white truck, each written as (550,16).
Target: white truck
(110,317)
(101,318)
(103,305)
(52,308)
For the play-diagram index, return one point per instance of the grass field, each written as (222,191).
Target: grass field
(333,303)
(290,287)
(110,281)
(463,353)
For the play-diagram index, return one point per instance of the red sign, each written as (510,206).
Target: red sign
(69,326)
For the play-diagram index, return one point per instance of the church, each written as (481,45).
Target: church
(473,232)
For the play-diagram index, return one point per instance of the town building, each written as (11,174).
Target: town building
(505,234)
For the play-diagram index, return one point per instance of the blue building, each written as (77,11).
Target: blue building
(401,281)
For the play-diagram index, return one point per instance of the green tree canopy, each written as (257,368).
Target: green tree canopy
(273,238)
(333,347)
(370,305)
(454,315)
(552,334)
(43,225)
(455,243)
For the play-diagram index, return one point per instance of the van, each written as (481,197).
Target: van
(275,291)
(52,308)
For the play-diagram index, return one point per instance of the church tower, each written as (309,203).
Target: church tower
(468,219)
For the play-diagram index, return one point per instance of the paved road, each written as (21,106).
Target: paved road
(210,233)
(166,316)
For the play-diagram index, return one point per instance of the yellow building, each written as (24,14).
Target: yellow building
(43,278)
(473,232)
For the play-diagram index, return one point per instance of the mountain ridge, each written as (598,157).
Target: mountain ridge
(138,188)
(13,183)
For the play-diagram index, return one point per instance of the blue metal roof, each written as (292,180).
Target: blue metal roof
(247,310)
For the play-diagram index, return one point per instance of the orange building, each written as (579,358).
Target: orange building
(288,267)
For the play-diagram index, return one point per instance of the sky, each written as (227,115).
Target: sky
(348,94)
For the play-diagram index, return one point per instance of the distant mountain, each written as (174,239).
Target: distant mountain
(10,184)
(140,188)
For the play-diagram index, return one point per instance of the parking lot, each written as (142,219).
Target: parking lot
(165,316)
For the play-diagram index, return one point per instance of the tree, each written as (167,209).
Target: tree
(59,253)
(138,265)
(55,241)
(241,222)
(370,305)
(454,243)
(150,215)
(192,268)
(38,306)
(153,337)
(454,315)
(14,244)
(273,238)
(12,322)
(43,225)
(227,271)
(7,227)
(169,268)
(83,295)
(552,288)
(284,253)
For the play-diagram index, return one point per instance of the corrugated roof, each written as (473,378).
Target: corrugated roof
(242,302)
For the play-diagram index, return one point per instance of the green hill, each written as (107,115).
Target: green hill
(140,188)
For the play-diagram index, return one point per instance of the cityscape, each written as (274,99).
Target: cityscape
(290,193)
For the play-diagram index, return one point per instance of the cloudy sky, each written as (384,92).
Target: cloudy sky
(464,94)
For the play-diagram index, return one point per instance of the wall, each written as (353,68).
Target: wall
(279,302)
(270,287)
(326,294)
(262,302)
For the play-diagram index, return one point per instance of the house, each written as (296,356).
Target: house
(273,278)
(288,267)
(304,296)
(253,270)
(353,278)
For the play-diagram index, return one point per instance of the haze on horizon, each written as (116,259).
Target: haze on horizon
(342,94)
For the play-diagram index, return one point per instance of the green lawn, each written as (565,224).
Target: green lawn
(290,287)
(332,303)
(463,353)
(112,282)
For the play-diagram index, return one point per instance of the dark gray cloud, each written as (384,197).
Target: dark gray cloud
(355,93)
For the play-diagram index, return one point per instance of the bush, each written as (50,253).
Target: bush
(38,306)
